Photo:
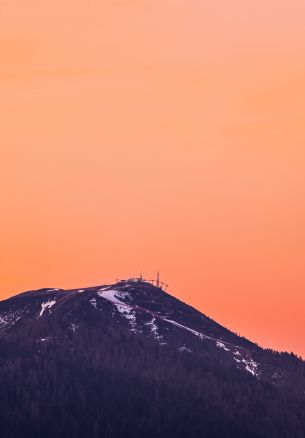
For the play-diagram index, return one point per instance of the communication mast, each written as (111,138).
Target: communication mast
(158,279)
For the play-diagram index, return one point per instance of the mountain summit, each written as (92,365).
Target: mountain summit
(131,360)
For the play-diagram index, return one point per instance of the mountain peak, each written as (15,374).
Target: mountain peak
(131,340)
(142,308)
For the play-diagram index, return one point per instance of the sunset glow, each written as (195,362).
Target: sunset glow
(138,135)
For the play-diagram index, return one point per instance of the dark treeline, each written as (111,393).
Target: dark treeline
(113,384)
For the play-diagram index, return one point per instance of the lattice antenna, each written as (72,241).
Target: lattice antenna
(158,279)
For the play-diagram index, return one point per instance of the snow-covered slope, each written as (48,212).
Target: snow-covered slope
(143,310)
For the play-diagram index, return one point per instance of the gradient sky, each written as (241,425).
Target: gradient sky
(171,134)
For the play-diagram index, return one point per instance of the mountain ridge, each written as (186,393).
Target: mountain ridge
(131,298)
(137,334)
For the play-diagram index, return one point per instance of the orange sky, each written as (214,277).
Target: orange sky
(163,133)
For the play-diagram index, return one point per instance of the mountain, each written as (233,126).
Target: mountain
(130,360)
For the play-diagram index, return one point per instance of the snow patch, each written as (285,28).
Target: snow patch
(128,313)
(250,365)
(222,345)
(8,319)
(114,296)
(104,288)
(184,348)
(110,295)
(154,329)
(219,343)
(46,305)
(201,336)
(93,302)
(73,327)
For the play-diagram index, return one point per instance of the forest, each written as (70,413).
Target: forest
(113,384)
